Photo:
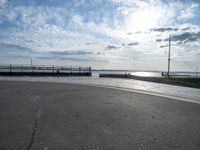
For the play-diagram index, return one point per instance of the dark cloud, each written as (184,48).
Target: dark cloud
(129,33)
(164,29)
(184,29)
(191,39)
(62,58)
(138,32)
(29,41)
(15,51)
(133,44)
(111,47)
(159,40)
(14,47)
(70,53)
(186,37)
(16,56)
(130,44)
(65,58)
(79,55)
(100,53)
(91,43)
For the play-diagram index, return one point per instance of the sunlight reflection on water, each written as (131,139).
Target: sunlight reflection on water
(136,73)
(147,74)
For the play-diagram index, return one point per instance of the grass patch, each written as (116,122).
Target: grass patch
(190,82)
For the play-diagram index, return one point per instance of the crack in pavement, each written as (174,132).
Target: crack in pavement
(39,109)
(34,131)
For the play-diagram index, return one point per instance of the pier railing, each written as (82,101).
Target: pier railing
(43,69)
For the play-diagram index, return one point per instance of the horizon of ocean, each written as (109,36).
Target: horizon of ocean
(95,73)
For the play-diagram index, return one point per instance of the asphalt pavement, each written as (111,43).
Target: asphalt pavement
(56,116)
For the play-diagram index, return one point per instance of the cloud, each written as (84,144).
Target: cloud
(186,28)
(159,40)
(138,32)
(62,58)
(16,56)
(130,44)
(13,46)
(186,37)
(133,44)
(91,43)
(71,53)
(77,55)
(111,47)
(189,12)
(70,58)
(77,19)
(164,29)
(15,51)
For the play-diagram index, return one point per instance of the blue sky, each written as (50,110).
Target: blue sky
(104,34)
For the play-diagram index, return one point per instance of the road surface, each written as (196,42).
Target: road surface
(164,90)
(55,116)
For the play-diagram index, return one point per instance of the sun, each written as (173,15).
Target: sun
(144,19)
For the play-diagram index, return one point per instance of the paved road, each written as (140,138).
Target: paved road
(53,116)
(172,91)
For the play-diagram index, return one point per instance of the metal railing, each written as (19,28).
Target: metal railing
(44,69)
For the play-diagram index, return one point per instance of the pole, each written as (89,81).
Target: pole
(31,65)
(168,73)
(196,71)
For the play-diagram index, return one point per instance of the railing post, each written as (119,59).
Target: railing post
(10,68)
(89,69)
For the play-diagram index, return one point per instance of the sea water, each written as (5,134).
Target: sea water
(145,73)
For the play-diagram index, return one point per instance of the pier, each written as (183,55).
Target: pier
(42,70)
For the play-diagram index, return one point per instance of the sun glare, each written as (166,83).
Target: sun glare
(143,20)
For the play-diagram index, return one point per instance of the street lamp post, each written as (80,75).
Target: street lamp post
(168,73)
(31,64)
(169,55)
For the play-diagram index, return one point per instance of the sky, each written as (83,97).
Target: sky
(104,34)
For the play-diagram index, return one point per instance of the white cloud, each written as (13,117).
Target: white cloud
(186,14)
(188,11)
(77,19)
(132,3)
